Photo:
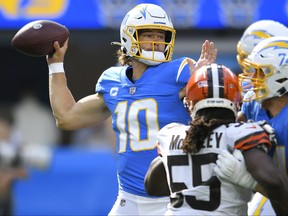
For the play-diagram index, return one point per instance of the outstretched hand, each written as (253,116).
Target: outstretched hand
(208,55)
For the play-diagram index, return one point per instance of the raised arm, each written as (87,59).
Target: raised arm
(68,113)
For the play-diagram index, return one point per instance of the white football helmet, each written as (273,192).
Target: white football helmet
(147,16)
(266,69)
(255,33)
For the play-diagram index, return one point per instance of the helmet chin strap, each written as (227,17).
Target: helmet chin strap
(148,55)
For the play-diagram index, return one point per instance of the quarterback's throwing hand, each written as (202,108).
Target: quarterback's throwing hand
(231,167)
(58,55)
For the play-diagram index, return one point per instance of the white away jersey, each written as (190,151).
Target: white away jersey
(195,188)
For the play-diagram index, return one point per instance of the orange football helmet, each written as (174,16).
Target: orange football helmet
(212,85)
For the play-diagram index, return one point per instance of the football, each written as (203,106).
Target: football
(37,38)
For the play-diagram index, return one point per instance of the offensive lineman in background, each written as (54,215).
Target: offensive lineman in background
(189,152)
(253,35)
(142,95)
(269,63)
(265,108)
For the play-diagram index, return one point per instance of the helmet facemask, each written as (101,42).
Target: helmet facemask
(253,79)
(241,55)
(151,57)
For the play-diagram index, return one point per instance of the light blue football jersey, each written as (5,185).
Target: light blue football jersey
(252,110)
(139,110)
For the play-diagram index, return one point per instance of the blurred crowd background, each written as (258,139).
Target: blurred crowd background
(69,178)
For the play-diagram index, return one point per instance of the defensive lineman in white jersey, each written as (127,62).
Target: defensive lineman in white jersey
(194,174)
(188,154)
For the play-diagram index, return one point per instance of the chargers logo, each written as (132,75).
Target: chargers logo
(114,91)
(281,44)
(142,10)
(260,34)
(256,36)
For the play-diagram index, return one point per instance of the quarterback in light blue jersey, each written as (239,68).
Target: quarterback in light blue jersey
(139,110)
(142,96)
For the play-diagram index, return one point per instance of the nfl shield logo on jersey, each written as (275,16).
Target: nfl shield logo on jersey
(122,202)
(132,90)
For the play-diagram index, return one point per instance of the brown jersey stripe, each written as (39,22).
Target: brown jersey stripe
(253,140)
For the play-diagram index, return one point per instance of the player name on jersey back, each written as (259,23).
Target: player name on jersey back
(213,141)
